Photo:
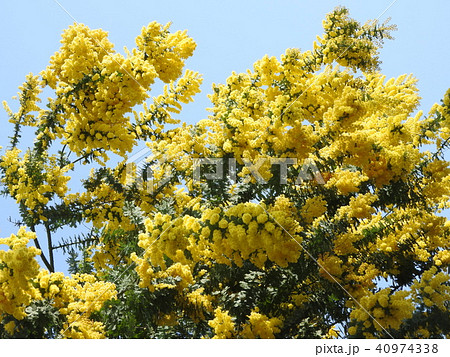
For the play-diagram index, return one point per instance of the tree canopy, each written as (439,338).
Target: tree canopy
(309,204)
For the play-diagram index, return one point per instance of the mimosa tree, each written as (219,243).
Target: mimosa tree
(308,204)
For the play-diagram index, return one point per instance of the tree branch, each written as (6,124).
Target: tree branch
(43,257)
(50,247)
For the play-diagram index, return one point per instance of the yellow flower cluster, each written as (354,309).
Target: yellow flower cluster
(159,112)
(222,324)
(348,43)
(34,181)
(330,265)
(383,148)
(360,279)
(18,266)
(257,326)
(75,297)
(49,284)
(443,112)
(289,106)
(436,186)
(410,223)
(432,289)
(346,181)
(299,299)
(332,98)
(244,112)
(107,208)
(200,301)
(80,296)
(165,51)
(194,302)
(248,231)
(103,202)
(149,276)
(97,87)
(388,311)
(175,151)
(243,232)
(105,255)
(343,243)
(10,327)
(165,237)
(28,97)
(359,207)
(260,326)
(313,208)
(442,258)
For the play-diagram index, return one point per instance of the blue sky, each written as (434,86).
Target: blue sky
(230,36)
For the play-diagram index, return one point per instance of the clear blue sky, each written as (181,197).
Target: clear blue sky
(230,35)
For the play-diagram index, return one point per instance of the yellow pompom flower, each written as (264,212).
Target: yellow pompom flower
(222,324)
(260,326)
(313,208)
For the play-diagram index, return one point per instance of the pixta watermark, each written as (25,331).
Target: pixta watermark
(308,170)
(141,167)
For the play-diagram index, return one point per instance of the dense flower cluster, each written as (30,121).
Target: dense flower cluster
(21,283)
(260,326)
(34,181)
(433,289)
(348,43)
(95,93)
(17,267)
(222,324)
(388,311)
(246,231)
(28,98)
